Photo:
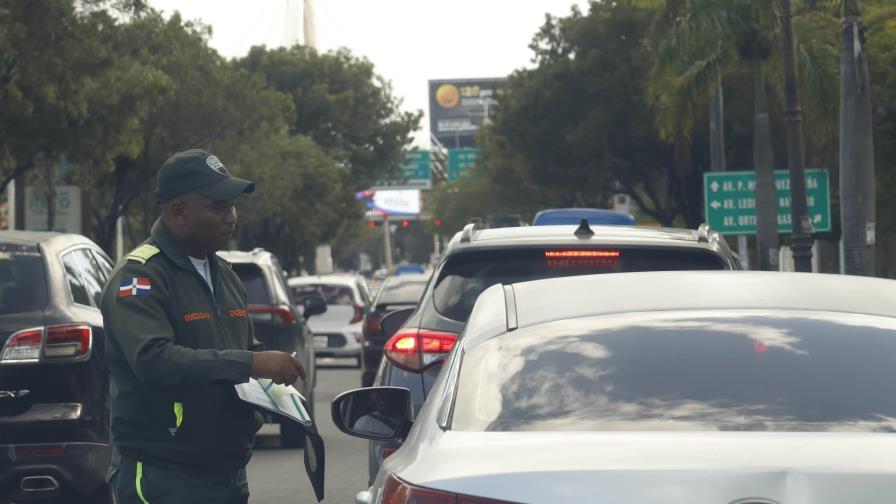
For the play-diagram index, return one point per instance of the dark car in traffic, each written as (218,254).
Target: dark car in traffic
(279,324)
(397,293)
(54,381)
(475,260)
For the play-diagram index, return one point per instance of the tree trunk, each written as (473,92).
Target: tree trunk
(717,128)
(857,198)
(801,239)
(764,166)
(50,179)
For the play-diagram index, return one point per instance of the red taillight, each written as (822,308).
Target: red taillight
(396,491)
(385,452)
(372,324)
(55,342)
(359,314)
(23,345)
(68,341)
(415,349)
(44,451)
(269,313)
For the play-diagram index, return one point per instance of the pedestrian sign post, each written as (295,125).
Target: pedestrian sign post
(730,201)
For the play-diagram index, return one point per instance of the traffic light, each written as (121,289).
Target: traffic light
(405,223)
(372,224)
(437,222)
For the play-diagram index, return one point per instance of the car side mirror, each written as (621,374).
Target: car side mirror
(314,305)
(393,321)
(380,413)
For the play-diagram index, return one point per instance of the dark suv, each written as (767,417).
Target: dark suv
(397,292)
(279,324)
(477,259)
(54,382)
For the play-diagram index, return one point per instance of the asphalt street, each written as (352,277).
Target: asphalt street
(277,475)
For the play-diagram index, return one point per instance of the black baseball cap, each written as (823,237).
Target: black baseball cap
(200,171)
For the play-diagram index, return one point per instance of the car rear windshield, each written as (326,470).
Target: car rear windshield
(401,290)
(737,371)
(256,285)
(23,281)
(467,274)
(333,294)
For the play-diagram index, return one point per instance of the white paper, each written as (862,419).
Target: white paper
(282,399)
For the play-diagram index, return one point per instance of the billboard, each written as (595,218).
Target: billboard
(384,203)
(459,107)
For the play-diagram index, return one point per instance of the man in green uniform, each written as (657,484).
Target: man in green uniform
(178,337)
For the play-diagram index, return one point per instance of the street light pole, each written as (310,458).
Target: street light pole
(801,239)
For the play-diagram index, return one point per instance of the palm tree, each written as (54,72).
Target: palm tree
(857,190)
(701,40)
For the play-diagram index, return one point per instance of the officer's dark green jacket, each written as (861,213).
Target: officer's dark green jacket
(175,351)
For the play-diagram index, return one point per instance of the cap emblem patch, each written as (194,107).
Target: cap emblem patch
(215,164)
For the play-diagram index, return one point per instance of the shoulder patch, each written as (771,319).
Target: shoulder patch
(142,253)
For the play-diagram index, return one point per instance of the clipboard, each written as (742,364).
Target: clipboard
(283,400)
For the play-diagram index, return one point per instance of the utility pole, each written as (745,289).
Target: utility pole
(387,242)
(801,239)
(857,187)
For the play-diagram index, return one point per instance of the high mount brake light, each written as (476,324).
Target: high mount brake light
(396,491)
(575,254)
(415,349)
(582,258)
(56,342)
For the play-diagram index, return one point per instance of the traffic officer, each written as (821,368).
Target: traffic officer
(178,337)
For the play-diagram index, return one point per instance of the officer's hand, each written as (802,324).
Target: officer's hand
(278,366)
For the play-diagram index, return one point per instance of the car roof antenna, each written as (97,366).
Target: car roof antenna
(584,231)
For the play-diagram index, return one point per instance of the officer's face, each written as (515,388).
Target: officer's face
(208,224)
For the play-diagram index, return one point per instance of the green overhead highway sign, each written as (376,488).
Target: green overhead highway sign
(730,200)
(415,172)
(460,161)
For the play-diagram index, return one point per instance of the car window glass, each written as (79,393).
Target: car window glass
(104,264)
(91,275)
(466,274)
(729,371)
(254,282)
(75,279)
(333,294)
(401,290)
(23,279)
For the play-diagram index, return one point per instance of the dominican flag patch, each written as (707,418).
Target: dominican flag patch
(135,287)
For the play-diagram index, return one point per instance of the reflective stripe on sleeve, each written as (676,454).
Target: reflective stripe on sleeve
(140,482)
(178,414)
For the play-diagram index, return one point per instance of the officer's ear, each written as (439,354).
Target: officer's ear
(176,211)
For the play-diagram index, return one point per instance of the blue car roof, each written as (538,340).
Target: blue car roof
(560,216)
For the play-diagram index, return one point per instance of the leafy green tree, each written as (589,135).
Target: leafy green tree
(343,106)
(579,128)
(698,40)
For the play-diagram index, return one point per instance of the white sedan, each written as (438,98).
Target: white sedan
(652,388)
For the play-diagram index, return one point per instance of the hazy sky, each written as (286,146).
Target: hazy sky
(408,41)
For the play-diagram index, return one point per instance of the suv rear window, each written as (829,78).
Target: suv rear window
(467,274)
(23,282)
(256,285)
(398,290)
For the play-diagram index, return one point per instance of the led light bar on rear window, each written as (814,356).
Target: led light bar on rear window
(582,258)
(576,254)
